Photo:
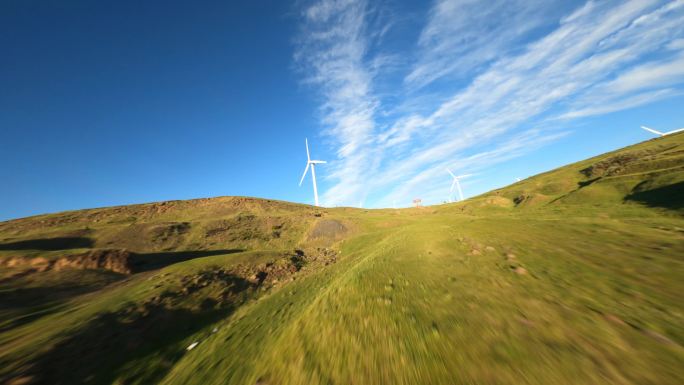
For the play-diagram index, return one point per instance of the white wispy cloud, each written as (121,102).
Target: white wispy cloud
(621,103)
(523,68)
(332,50)
(462,35)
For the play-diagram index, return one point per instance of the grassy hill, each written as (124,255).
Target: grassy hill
(573,276)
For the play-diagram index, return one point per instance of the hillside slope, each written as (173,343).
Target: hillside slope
(573,276)
(651,173)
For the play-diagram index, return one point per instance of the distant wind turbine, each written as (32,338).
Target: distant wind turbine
(311,163)
(457,184)
(662,133)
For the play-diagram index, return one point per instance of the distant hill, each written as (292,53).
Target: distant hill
(573,276)
(650,173)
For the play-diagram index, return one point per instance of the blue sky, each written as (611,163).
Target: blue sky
(129,102)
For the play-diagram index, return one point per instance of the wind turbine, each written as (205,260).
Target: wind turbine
(311,163)
(457,184)
(662,133)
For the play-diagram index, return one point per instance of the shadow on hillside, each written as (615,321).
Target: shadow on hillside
(588,182)
(140,343)
(20,304)
(61,243)
(669,197)
(150,261)
(31,294)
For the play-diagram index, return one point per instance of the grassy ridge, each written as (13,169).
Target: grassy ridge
(572,277)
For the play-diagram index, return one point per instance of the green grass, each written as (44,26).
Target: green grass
(561,278)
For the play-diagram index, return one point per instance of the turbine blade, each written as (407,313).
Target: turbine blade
(308,157)
(460,192)
(463,176)
(303,175)
(451,173)
(652,131)
(453,184)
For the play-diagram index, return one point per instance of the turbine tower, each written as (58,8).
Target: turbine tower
(662,133)
(311,163)
(457,184)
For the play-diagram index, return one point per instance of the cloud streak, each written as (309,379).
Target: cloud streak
(332,54)
(461,36)
(483,88)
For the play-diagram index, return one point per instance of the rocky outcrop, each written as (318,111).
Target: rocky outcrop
(118,261)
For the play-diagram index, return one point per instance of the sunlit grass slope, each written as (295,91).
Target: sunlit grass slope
(573,276)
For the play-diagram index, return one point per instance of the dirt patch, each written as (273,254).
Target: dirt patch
(529,199)
(166,231)
(115,260)
(622,163)
(118,261)
(35,264)
(498,201)
(327,229)
(148,236)
(244,227)
(283,269)
(610,166)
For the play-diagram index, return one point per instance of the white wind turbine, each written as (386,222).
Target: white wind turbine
(311,163)
(457,184)
(662,133)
